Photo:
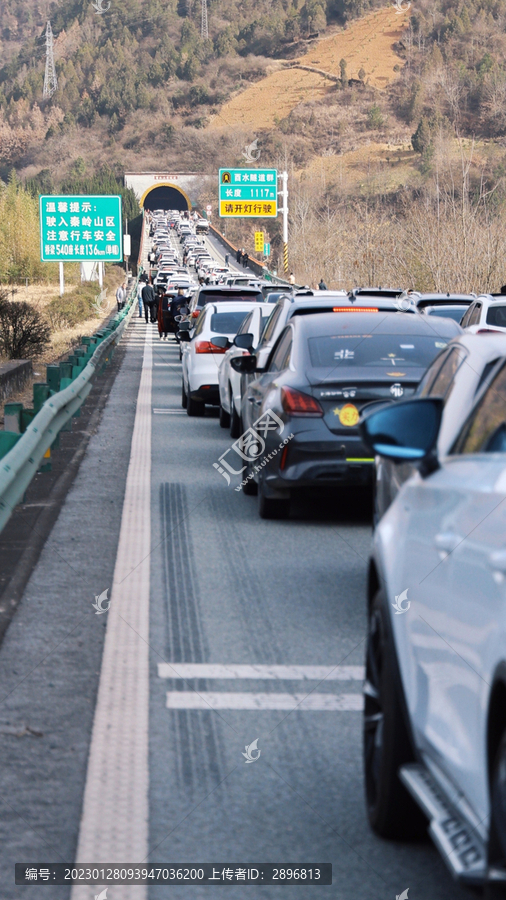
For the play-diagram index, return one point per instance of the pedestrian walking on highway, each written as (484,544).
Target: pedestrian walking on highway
(148,298)
(164,316)
(322,286)
(121,296)
(245,259)
(227,257)
(139,297)
(291,278)
(238,256)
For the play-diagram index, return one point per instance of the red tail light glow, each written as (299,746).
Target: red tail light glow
(207,347)
(295,403)
(195,313)
(355,309)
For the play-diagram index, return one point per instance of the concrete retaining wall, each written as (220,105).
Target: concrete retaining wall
(14,375)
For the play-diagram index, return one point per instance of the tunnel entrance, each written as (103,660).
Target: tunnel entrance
(165,196)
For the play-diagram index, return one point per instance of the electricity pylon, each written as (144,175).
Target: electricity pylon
(204,31)
(50,78)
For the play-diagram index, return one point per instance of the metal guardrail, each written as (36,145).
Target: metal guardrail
(19,466)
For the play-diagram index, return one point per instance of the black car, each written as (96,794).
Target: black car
(451,306)
(321,373)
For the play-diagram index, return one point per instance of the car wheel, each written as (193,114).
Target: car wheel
(251,487)
(272,507)
(235,420)
(496,889)
(184,397)
(391,810)
(224,418)
(195,407)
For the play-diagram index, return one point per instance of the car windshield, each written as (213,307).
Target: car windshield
(390,351)
(227,322)
(496,315)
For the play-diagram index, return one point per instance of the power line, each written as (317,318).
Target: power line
(50,77)
(204,30)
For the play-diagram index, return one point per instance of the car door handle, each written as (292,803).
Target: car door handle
(446,541)
(497,560)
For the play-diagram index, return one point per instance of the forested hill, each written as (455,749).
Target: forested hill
(137,83)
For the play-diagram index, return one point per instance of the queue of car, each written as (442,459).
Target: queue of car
(405,393)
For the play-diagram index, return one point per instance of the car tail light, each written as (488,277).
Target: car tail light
(284,455)
(207,347)
(195,313)
(295,403)
(347,309)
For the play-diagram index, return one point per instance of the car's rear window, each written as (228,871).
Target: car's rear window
(227,322)
(496,315)
(217,296)
(447,312)
(390,351)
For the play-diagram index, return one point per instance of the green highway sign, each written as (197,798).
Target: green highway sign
(76,228)
(248,193)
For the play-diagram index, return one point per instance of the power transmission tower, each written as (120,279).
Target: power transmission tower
(204,31)
(50,78)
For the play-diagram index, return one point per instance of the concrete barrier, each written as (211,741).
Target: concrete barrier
(14,375)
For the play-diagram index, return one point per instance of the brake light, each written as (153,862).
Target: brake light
(295,403)
(207,347)
(284,455)
(195,313)
(354,309)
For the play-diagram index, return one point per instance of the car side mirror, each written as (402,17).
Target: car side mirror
(245,364)
(405,431)
(184,336)
(221,341)
(244,341)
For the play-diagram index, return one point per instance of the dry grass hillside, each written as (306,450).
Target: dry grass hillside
(366,44)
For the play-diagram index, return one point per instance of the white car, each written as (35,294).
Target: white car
(230,380)
(201,360)
(486,313)
(435,689)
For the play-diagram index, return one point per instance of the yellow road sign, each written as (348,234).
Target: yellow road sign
(249,209)
(259,241)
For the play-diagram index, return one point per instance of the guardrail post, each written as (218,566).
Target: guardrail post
(40,395)
(53,377)
(12,417)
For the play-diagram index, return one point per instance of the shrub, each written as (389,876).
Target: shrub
(24,332)
(66,312)
(374,117)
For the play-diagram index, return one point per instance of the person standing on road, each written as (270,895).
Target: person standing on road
(139,297)
(238,256)
(291,278)
(121,296)
(245,259)
(148,298)
(322,286)
(227,257)
(164,316)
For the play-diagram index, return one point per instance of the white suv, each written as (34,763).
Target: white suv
(201,359)
(486,313)
(230,380)
(435,689)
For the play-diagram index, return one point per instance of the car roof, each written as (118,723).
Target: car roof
(375,292)
(230,306)
(323,323)
(334,299)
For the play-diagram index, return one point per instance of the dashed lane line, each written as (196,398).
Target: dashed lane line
(282,673)
(252,701)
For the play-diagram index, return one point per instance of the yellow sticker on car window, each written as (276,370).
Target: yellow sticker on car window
(349,415)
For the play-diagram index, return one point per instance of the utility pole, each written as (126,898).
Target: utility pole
(204,30)
(284,210)
(50,77)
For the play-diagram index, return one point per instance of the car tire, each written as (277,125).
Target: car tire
(224,418)
(184,397)
(391,810)
(195,407)
(235,420)
(496,890)
(272,507)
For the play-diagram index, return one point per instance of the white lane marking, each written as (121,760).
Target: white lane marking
(171,365)
(303,702)
(114,821)
(282,673)
(169,412)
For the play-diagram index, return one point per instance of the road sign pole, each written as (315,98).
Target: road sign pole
(100,274)
(62,280)
(284,194)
